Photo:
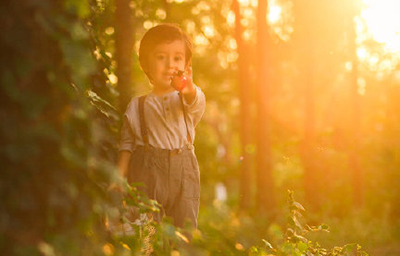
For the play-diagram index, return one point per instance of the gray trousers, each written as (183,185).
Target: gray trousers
(172,178)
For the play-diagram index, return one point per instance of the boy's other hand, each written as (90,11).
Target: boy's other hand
(116,187)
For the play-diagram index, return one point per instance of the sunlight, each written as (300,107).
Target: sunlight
(209,31)
(244,2)
(230,18)
(383,22)
(279,18)
(274,12)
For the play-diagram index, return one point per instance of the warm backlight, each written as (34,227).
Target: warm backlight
(274,12)
(382,18)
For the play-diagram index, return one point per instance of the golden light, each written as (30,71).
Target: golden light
(278,18)
(274,12)
(383,22)
(209,31)
(244,2)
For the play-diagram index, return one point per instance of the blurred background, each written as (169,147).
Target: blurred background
(301,95)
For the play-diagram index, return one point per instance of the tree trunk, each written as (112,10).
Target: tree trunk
(246,120)
(355,125)
(124,40)
(167,9)
(265,184)
(309,144)
(305,38)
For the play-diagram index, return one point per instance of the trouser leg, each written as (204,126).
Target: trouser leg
(171,179)
(185,191)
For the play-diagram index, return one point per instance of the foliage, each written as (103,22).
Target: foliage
(223,232)
(54,170)
(294,241)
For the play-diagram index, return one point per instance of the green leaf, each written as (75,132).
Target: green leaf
(299,206)
(289,231)
(291,221)
(267,244)
(298,224)
(102,105)
(303,247)
(350,248)
(79,60)
(323,227)
(79,7)
(254,249)
(301,238)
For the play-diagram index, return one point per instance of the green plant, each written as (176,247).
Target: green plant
(228,234)
(294,241)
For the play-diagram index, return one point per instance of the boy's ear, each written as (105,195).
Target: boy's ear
(188,65)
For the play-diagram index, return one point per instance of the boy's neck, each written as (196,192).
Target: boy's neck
(162,91)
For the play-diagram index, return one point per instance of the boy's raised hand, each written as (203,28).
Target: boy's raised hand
(182,81)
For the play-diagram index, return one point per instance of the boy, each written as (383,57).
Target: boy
(157,134)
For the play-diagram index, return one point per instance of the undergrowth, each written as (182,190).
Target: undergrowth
(222,232)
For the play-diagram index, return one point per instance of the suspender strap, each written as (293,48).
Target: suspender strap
(143,128)
(188,137)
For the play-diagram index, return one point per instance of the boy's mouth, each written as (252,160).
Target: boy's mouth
(174,73)
(169,75)
(166,75)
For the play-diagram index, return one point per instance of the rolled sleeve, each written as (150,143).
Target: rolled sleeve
(197,107)
(127,140)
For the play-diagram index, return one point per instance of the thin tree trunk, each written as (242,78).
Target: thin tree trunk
(306,61)
(246,120)
(167,9)
(308,149)
(265,194)
(124,48)
(355,125)
(311,180)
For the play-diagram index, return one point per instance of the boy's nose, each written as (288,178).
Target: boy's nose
(170,62)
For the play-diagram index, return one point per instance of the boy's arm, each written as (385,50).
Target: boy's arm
(193,97)
(124,159)
(124,156)
(189,91)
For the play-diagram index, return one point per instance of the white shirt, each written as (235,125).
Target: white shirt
(164,120)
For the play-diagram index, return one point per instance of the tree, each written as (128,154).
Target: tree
(124,40)
(319,35)
(246,120)
(355,124)
(265,195)
(306,48)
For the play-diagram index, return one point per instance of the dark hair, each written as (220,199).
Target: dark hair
(161,34)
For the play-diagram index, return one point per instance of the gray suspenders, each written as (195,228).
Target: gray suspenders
(143,130)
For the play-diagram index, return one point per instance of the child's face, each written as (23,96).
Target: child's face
(164,60)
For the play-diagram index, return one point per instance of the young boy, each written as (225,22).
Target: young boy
(158,130)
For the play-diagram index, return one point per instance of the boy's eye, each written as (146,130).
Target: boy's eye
(178,58)
(160,57)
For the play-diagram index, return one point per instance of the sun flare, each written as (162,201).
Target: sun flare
(383,22)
